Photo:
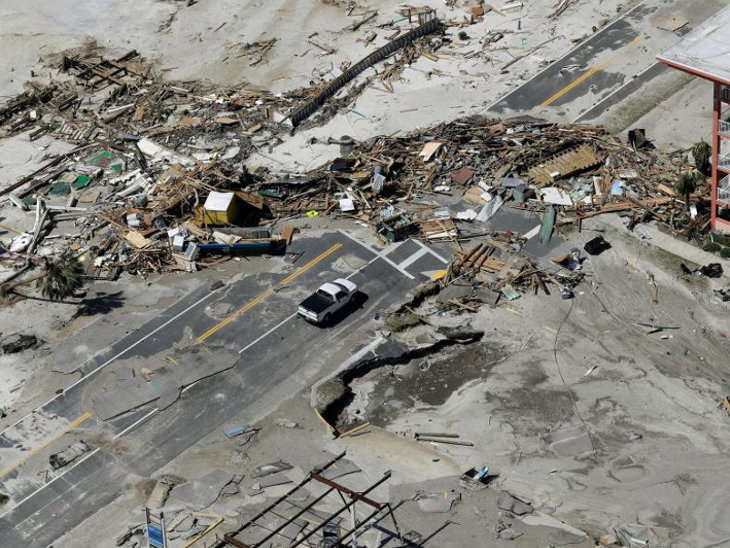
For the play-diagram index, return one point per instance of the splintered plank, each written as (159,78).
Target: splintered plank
(564,164)
(478,258)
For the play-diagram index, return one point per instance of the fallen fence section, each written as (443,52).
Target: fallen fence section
(305,111)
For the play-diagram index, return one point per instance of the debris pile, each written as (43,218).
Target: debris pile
(18,342)
(445,183)
(157,170)
(157,181)
(122,100)
(564,173)
(151,212)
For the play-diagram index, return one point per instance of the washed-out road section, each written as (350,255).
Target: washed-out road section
(274,349)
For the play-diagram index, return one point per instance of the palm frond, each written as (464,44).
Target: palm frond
(63,277)
(701,153)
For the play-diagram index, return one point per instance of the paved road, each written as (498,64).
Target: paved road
(614,64)
(273,346)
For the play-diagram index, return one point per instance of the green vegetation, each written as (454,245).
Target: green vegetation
(688,183)
(701,152)
(712,247)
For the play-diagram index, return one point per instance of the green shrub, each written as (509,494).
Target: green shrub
(712,247)
(701,152)
(725,253)
(722,239)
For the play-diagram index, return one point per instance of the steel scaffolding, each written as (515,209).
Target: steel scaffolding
(348,499)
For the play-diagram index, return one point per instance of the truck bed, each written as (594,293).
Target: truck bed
(316,303)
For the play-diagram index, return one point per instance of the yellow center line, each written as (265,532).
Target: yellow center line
(590,72)
(70,426)
(265,294)
(245,308)
(310,264)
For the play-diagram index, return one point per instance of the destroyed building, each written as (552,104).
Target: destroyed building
(521,332)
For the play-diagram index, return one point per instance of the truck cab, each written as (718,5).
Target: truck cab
(330,297)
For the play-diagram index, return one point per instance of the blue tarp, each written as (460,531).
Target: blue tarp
(259,247)
(155,536)
(617,188)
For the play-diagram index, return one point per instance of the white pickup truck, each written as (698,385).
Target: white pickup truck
(321,305)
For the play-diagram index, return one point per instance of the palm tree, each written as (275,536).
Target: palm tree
(63,277)
(59,279)
(687,184)
(701,153)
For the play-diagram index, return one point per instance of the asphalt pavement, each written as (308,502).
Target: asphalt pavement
(273,345)
(614,65)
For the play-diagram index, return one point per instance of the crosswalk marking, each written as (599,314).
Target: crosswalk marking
(413,258)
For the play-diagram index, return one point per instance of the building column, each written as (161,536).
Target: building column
(716,111)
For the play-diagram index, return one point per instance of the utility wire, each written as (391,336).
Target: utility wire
(573,397)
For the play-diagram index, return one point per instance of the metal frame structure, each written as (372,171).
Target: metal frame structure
(720,165)
(720,169)
(103,73)
(379,511)
(684,56)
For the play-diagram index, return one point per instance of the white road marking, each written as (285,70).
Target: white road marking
(413,258)
(380,255)
(532,232)
(431,251)
(371,261)
(632,80)
(110,360)
(277,326)
(34,493)
(136,423)
(269,332)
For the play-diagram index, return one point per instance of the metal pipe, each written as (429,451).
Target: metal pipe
(281,499)
(342,489)
(363,522)
(450,442)
(295,516)
(361,497)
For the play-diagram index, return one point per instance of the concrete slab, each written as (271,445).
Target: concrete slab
(270,468)
(341,468)
(409,462)
(568,534)
(280,478)
(200,493)
(672,245)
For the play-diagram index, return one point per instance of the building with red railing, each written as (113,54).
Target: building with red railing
(705,52)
